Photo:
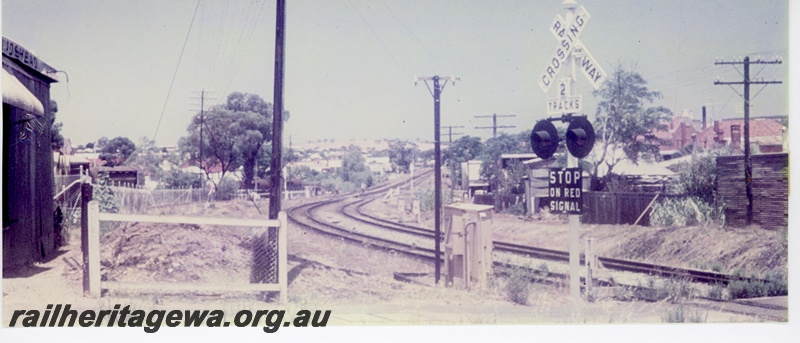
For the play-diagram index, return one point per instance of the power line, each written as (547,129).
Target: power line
(388,52)
(177,67)
(413,35)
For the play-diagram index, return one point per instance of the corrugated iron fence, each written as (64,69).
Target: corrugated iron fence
(770,189)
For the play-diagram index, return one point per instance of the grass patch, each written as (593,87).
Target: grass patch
(672,290)
(680,314)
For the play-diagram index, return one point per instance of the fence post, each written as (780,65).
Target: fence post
(86,197)
(590,264)
(94,249)
(283,256)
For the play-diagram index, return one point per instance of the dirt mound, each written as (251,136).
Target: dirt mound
(148,252)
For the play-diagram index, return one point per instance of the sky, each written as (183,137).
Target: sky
(134,66)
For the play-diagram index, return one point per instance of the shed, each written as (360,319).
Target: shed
(28,214)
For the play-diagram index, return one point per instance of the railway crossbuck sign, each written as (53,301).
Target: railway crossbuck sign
(567,36)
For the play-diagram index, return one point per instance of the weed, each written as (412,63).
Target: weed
(685,212)
(672,290)
(518,286)
(716,292)
(776,284)
(226,189)
(517,209)
(679,314)
(543,267)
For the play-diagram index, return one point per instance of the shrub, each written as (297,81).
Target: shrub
(685,212)
(776,284)
(698,179)
(716,292)
(518,286)
(226,189)
(102,193)
(517,209)
(181,179)
(104,196)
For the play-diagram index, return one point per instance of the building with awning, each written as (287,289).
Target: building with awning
(29,233)
(17,95)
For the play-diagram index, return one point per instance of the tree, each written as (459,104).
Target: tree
(464,149)
(147,158)
(353,169)
(117,151)
(56,139)
(101,142)
(401,155)
(625,123)
(234,135)
(504,144)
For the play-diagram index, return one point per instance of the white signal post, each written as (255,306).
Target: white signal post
(570,52)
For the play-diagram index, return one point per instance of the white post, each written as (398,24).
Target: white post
(401,205)
(572,162)
(412,179)
(283,256)
(590,264)
(94,249)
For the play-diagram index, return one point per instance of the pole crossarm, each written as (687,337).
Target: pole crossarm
(494,126)
(751,82)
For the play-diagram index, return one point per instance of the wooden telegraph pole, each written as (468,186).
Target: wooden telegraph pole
(452,163)
(748,164)
(494,126)
(277,112)
(436,93)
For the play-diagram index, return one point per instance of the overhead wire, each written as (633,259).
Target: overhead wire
(412,35)
(238,56)
(388,52)
(177,67)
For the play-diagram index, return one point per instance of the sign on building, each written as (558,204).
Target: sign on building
(565,187)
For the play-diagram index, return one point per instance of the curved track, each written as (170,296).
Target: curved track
(556,255)
(350,205)
(305,215)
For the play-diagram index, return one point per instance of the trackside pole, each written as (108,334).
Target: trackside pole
(574,219)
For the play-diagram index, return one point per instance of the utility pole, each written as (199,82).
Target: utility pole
(436,93)
(494,126)
(277,112)
(495,184)
(452,163)
(203,96)
(748,165)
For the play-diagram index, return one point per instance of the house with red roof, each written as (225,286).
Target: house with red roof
(768,133)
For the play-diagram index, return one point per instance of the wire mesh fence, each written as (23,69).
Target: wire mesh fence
(136,200)
(67,205)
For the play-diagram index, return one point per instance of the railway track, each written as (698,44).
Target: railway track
(693,275)
(307,216)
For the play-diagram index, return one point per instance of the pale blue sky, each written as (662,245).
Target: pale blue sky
(350,64)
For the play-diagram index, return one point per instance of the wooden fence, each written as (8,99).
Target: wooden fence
(619,208)
(770,181)
(93,285)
